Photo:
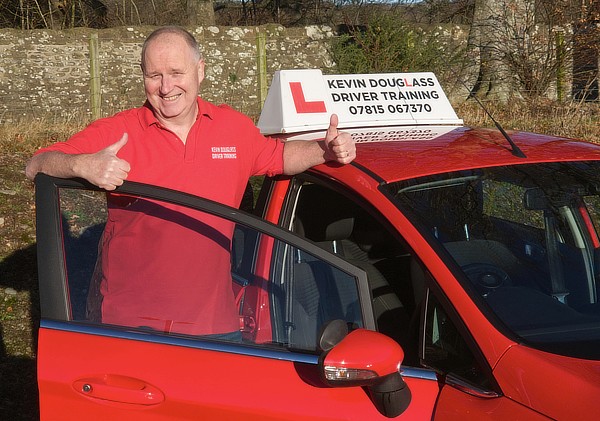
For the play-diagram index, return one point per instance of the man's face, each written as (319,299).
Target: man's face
(172,76)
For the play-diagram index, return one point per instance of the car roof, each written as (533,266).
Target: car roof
(393,154)
(465,148)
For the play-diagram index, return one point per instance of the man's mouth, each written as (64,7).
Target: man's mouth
(171,98)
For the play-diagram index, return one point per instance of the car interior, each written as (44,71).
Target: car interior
(340,226)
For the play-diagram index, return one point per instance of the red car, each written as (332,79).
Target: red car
(449,272)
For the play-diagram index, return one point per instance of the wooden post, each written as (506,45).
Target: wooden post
(560,65)
(95,99)
(261,66)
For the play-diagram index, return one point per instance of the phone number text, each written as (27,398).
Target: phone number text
(391,108)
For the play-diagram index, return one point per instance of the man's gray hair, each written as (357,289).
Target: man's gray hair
(175,30)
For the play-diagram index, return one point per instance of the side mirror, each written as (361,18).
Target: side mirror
(368,359)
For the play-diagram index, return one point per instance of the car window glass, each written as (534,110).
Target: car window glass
(445,349)
(83,220)
(349,229)
(499,202)
(180,271)
(524,238)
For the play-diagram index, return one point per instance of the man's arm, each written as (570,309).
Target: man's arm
(300,155)
(103,168)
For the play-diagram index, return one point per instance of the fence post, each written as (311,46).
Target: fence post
(261,66)
(95,100)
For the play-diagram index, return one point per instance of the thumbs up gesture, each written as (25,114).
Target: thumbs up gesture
(105,169)
(339,146)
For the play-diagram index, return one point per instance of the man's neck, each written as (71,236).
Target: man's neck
(182,124)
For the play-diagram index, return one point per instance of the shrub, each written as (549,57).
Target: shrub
(390,44)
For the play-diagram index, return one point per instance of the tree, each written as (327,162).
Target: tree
(160,12)
(200,13)
(487,38)
(586,46)
(521,47)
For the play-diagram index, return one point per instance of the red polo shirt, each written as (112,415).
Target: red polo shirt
(162,266)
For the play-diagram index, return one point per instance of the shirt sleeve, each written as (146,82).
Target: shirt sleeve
(266,152)
(269,156)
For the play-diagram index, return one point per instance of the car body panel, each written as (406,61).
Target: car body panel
(120,372)
(578,379)
(453,405)
(202,380)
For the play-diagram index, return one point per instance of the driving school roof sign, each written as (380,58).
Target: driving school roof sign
(302,100)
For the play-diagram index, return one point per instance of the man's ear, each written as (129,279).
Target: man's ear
(200,71)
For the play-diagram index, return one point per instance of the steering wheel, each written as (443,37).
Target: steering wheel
(486,277)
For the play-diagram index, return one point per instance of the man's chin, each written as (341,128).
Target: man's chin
(169,112)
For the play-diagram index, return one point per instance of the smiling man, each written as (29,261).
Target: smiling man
(179,141)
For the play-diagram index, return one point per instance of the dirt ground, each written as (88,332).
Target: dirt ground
(19,310)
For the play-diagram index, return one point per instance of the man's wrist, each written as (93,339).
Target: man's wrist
(76,164)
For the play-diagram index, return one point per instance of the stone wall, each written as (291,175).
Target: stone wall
(46,74)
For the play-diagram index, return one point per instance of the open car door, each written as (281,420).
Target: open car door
(296,305)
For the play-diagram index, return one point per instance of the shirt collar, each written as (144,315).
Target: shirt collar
(147,117)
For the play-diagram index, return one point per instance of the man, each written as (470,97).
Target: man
(171,142)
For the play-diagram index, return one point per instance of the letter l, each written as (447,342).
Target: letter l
(303,106)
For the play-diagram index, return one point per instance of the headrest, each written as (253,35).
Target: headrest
(319,230)
(324,215)
(372,238)
(339,230)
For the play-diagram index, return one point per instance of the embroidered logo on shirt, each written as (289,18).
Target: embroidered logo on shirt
(224,152)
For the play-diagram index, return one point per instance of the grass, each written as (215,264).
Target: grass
(19,311)
(574,120)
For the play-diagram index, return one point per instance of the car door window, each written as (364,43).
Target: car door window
(446,351)
(279,294)
(348,228)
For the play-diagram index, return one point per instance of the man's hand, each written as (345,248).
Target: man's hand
(339,146)
(104,168)
(299,155)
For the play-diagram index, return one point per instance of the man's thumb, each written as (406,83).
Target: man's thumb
(332,130)
(116,147)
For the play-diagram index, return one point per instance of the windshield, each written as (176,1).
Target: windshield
(525,238)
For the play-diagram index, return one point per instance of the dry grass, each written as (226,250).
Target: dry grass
(27,136)
(574,120)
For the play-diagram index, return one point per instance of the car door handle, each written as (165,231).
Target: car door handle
(117,388)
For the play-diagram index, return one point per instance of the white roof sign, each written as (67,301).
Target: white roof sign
(382,134)
(303,100)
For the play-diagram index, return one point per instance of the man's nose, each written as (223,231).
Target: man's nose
(166,84)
